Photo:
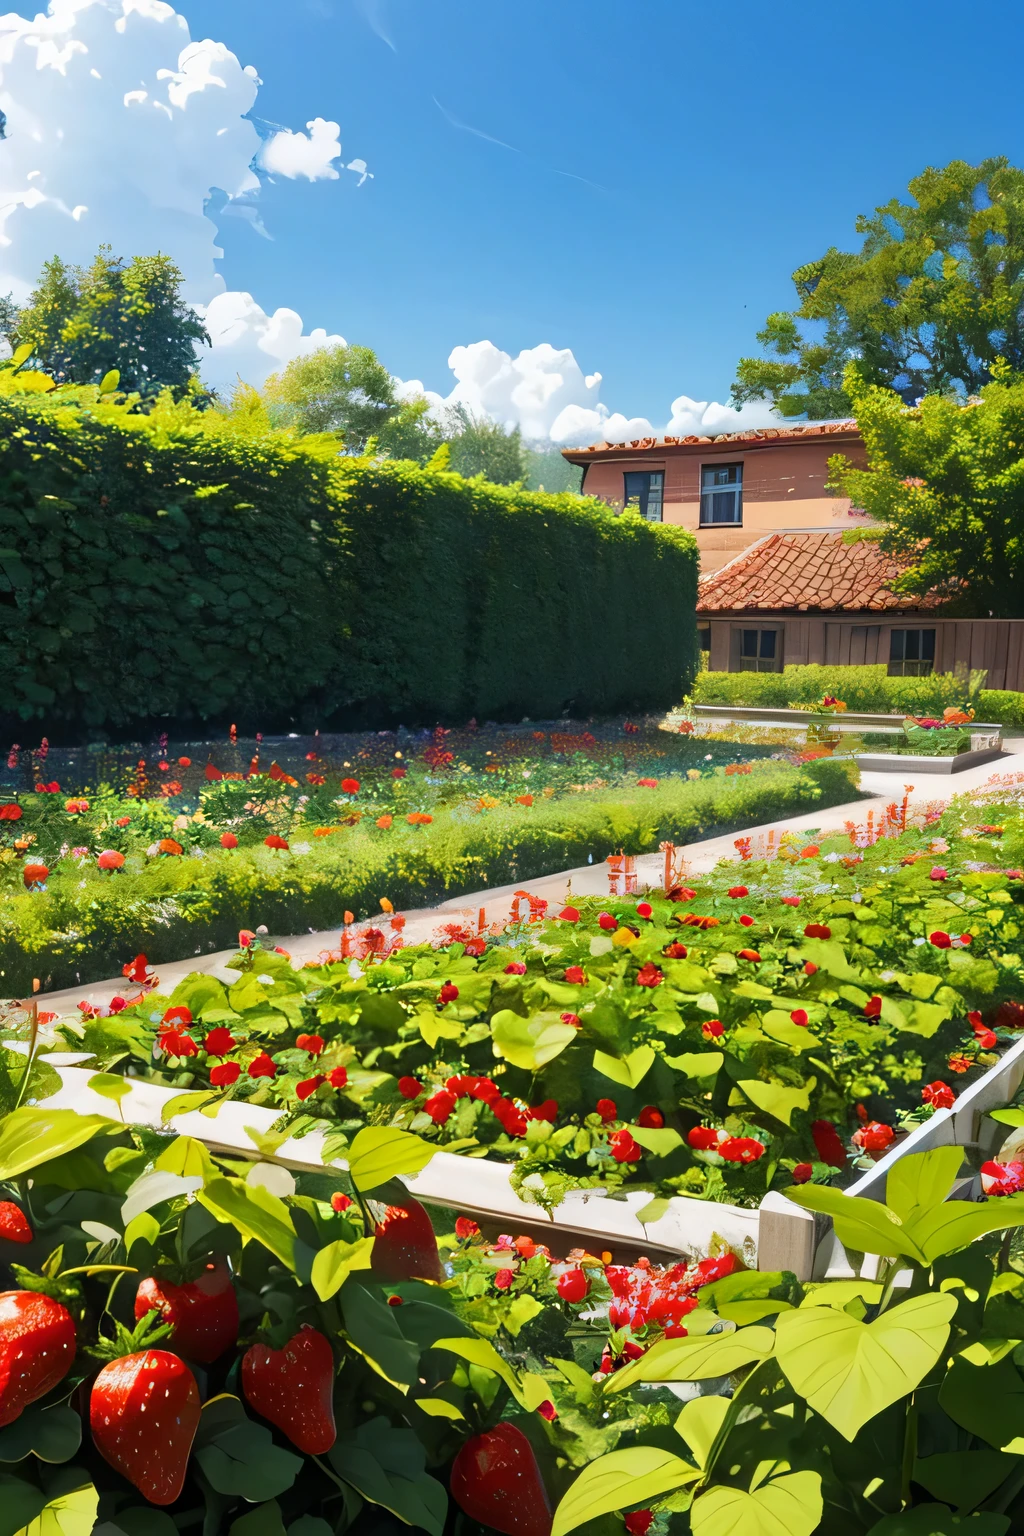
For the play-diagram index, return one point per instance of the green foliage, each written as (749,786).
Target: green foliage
(947,482)
(867,690)
(934,295)
(111,318)
(480,446)
(181,563)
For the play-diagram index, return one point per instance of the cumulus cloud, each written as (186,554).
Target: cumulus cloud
(546,394)
(121,130)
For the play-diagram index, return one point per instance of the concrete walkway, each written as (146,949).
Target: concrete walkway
(878,791)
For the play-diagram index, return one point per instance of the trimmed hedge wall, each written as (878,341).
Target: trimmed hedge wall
(868,689)
(182,566)
(86,924)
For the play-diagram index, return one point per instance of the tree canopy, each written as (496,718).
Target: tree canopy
(934,295)
(947,482)
(83,323)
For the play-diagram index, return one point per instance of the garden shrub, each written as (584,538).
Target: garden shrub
(86,923)
(1002,706)
(179,566)
(863,689)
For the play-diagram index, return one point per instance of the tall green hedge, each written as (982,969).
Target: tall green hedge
(184,565)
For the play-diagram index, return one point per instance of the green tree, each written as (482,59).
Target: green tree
(934,295)
(947,482)
(349,392)
(480,446)
(546,470)
(83,323)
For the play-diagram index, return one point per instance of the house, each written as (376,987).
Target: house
(730,490)
(793,598)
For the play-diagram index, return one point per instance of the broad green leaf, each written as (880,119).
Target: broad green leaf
(696,1358)
(927,1018)
(142,1228)
(434,1027)
(185,1103)
(699,1424)
(618,1481)
(963,1478)
(654,1210)
(265,1520)
(153,1188)
(828,956)
(255,1212)
(848,1370)
(187,1156)
(630,1071)
(380,1153)
(20,1503)
(864,1225)
(22,354)
(522,1311)
(921,1181)
(373,1329)
(786,1506)
(956,1223)
(661,1141)
(439,1408)
(52,1434)
(529,1392)
(779,1026)
(986,1400)
(776,1100)
(333,1265)
(529,1043)
(939,1520)
(744,1312)
(32,1136)
(71,1514)
(109,382)
(696,1063)
(387,1467)
(238,1456)
(1007,1116)
(839,1293)
(581,1381)
(110,1086)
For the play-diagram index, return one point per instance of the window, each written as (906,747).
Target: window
(721,494)
(644,493)
(760,650)
(911,652)
(704,636)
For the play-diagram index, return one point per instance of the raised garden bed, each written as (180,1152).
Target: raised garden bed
(913,762)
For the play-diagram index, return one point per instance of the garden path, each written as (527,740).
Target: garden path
(878,791)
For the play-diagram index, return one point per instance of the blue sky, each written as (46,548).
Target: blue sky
(716,148)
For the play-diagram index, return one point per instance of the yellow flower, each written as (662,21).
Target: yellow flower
(623,937)
(693,773)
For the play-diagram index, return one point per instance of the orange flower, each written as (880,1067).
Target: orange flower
(524,800)
(169,846)
(110,859)
(419,819)
(350,786)
(172,788)
(273,841)
(316,779)
(384,822)
(324,831)
(34,874)
(228,840)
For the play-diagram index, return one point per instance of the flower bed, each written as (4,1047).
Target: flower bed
(80,888)
(716,1042)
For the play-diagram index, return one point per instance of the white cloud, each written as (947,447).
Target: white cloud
(303,154)
(249,344)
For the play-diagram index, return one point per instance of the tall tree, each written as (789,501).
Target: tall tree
(946,482)
(346,390)
(933,296)
(480,446)
(129,317)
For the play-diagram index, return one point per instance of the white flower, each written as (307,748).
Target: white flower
(856,897)
(267,981)
(301,847)
(153,850)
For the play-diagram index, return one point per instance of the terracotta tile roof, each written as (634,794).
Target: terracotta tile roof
(808,573)
(760,435)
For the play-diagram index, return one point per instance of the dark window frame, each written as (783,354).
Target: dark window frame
(911,652)
(649,498)
(758,649)
(721,500)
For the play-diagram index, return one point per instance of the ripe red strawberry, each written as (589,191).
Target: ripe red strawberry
(37,1348)
(14,1227)
(204,1312)
(294,1388)
(404,1246)
(144,1412)
(496,1480)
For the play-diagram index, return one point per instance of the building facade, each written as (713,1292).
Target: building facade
(795,598)
(730,490)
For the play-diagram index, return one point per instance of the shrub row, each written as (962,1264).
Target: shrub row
(868,689)
(87,923)
(181,567)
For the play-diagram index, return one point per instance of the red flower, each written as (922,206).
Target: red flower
(576,975)
(959,1063)
(123,821)
(306,1089)
(810,969)
(262,1066)
(503,1279)
(704,1138)
(399,773)
(873,1137)
(939,939)
(681,893)
(712,1029)
(177,1015)
(649,975)
(440,1105)
(873,1008)
(273,841)
(648,783)
(675,951)
(465,1228)
(1002,1178)
(547,1111)
(748,954)
(608,1110)
(225,1073)
(748,922)
(339,1202)
(516,968)
(741,1149)
(650,1118)
(15,1228)
(573,1285)
(938,873)
(338,1077)
(985,1038)
(34,874)
(10,813)
(1010,1016)
(966,938)
(110,859)
(802,1172)
(448,993)
(828,1143)
(608,922)
(736,891)
(350,786)
(570,1018)
(311,1044)
(624,1149)
(228,840)
(219,1042)
(569,915)
(644,909)
(817,931)
(799,1016)
(171,848)
(939,1095)
(791,901)
(176,1042)
(640,1521)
